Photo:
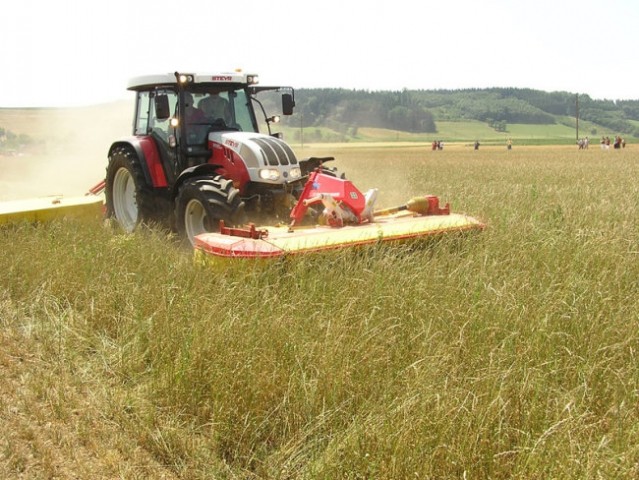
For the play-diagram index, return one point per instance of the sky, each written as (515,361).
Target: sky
(58,53)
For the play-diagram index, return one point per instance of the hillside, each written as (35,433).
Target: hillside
(502,110)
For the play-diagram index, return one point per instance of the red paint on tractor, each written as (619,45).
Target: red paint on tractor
(231,165)
(153,161)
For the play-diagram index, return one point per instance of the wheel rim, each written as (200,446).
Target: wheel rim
(125,204)
(194,219)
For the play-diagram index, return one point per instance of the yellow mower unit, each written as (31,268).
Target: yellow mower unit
(45,209)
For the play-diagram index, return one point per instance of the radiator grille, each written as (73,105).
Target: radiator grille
(276,151)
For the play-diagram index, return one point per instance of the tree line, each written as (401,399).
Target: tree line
(417,111)
(11,142)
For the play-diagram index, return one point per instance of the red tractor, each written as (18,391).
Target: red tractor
(197,157)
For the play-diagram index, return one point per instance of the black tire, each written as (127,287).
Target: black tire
(128,198)
(202,202)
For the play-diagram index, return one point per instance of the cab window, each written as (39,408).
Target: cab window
(156,125)
(142,120)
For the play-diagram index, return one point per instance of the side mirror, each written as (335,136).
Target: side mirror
(162,110)
(288,102)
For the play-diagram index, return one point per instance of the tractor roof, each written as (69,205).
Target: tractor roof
(146,81)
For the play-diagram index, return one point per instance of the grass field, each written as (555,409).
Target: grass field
(506,354)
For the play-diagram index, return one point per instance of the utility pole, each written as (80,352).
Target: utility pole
(577,115)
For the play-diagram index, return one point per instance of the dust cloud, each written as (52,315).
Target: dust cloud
(68,150)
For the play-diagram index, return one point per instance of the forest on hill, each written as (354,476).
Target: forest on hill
(418,111)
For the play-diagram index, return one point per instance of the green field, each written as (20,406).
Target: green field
(511,353)
(457,132)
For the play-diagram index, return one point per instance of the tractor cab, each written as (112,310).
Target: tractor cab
(180,111)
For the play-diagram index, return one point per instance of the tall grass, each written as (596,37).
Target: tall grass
(506,354)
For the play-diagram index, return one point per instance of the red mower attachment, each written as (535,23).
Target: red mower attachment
(347,221)
(97,189)
(343,202)
(250,232)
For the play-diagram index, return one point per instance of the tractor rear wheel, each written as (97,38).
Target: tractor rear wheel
(128,198)
(202,202)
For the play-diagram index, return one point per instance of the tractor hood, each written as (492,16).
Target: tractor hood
(260,153)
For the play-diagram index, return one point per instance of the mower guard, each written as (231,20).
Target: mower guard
(45,209)
(270,242)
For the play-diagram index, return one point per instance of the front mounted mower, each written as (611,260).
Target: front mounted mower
(348,219)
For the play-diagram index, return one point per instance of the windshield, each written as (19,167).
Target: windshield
(217,106)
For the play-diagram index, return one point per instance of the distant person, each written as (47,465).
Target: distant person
(434,145)
(617,143)
(509,144)
(476,144)
(583,143)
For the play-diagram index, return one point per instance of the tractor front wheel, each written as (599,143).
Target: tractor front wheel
(202,202)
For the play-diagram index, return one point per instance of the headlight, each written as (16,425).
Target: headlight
(185,78)
(295,172)
(269,174)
